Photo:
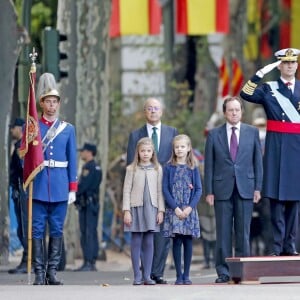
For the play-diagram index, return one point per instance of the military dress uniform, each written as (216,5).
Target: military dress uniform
(282,148)
(51,188)
(88,206)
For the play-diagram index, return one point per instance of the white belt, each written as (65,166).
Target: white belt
(51,163)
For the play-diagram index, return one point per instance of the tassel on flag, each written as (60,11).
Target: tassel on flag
(31,146)
(135,17)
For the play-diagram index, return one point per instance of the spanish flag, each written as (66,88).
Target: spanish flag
(224,78)
(237,78)
(289,27)
(200,17)
(135,17)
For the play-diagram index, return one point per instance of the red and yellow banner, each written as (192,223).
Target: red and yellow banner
(237,78)
(290,25)
(135,17)
(230,84)
(31,146)
(224,78)
(200,17)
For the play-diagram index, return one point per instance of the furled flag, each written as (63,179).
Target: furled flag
(223,78)
(31,145)
(135,17)
(200,17)
(237,78)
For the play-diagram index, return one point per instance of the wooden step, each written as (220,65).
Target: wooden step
(257,269)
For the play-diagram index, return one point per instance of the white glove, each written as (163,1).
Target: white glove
(268,68)
(72,197)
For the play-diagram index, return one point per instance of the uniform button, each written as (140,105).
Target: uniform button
(283,120)
(51,153)
(51,147)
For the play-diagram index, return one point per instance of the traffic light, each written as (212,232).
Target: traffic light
(52,56)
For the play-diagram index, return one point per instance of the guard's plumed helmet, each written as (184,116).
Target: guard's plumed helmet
(47,87)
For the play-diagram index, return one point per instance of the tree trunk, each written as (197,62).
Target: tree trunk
(86,90)
(9,55)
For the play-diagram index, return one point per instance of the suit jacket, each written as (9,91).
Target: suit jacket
(221,173)
(165,147)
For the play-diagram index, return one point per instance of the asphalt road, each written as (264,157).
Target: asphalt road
(113,280)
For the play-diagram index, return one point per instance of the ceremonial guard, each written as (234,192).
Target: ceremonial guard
(281,102)
(87,204)
(18,194)
(55,186)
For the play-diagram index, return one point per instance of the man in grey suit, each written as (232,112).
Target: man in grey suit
(233,181)
(162,136)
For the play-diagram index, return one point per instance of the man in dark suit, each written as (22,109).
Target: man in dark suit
(162,136)
(281,102)
(233,181)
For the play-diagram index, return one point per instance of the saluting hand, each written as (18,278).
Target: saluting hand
(268,68)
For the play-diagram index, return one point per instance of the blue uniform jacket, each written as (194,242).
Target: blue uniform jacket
(53,184)
(281,159)
(168,182)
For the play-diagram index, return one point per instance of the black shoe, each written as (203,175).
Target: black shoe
(87,267)
(274,254)
(20,269)
(295,253)
(159,280)
(222,279)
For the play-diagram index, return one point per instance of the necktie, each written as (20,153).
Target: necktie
(289,84)
(155,139)
(233,144)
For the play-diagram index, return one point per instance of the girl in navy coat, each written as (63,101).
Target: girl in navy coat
(182,191)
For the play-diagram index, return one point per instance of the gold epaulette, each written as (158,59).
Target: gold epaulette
(249,87)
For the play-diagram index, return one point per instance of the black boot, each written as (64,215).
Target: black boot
(38,261)
(22,267)
(54,254)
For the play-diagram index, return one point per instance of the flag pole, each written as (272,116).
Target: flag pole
(33,57)
(29,259)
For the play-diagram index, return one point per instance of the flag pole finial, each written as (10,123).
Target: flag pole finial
(33,56)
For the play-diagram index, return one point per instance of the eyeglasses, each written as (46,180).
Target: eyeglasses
(152,108)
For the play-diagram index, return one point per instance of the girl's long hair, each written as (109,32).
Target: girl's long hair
(191,160)
(136,160)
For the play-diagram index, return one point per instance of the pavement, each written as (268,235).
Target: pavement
(114,278)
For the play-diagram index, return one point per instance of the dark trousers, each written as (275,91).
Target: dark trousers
(232,214)
(160,255)
(21,212)
(88,222)
(284,218)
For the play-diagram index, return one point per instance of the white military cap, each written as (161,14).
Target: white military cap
(288,54)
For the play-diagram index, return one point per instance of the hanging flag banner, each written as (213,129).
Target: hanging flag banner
(135,17)
(201,17)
